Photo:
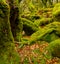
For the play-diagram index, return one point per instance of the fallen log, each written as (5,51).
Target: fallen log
(48,33)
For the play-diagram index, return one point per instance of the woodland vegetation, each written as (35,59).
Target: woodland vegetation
(29,31)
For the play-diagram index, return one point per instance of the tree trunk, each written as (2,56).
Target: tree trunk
(16,24)
(8,54)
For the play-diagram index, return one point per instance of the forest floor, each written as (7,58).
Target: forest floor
(36,54)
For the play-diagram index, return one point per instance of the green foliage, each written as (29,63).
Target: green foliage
(54,48)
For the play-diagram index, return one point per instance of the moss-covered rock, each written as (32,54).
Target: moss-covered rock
(54,48)
(8,54)
(56,12)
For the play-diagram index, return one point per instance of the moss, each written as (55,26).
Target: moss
(19,32)
(43,21)
(47,9)
(54,48)
(56,12)
(9,57)
(49,33)
(7,52)
(50,37)
(30,17)
(28,26)
(13,3)
(56,26)
(16,24)
(5,29)
(40,34)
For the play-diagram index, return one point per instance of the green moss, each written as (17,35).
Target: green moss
(56,12)
(54,48)
(31,17)
(56,26)
(16,24)
(29,26)
(43,21)
(8,54)
(5,29)
(50,37)
(40,34)
(49,33)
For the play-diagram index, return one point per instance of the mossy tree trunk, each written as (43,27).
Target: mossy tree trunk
(16,24)
(8,54)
